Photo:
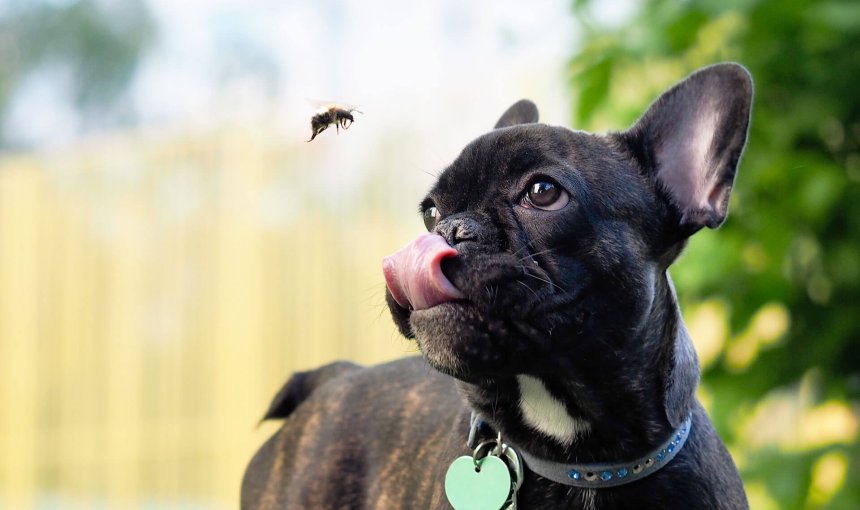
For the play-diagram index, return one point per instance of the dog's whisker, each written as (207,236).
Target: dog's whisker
(526,271)
(531,289)
(548,282)
(555,301)
(607,344)
(535,254)
(526,246)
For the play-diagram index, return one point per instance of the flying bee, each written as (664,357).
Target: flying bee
(339,115)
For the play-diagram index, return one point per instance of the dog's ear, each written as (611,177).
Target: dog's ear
(690,141)
(521,112)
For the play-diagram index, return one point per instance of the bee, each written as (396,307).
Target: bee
(339,115)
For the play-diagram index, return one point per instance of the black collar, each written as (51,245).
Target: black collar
(599,474)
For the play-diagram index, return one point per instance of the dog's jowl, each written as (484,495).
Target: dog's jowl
(550,336)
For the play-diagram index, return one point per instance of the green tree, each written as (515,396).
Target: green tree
(99,44)
(790,251)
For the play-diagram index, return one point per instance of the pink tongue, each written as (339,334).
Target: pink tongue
(414,273)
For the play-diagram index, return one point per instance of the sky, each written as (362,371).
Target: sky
(427,66)
(428,77)
(422,66)
(440,72)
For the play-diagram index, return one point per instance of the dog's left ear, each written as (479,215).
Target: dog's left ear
(690,141)
(521,112)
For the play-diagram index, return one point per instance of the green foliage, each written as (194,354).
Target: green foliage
(99,44)
(793,235)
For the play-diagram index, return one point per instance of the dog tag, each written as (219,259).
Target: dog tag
(483,488)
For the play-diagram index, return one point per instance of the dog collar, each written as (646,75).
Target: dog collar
(601,474)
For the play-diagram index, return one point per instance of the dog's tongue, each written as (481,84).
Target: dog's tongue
(414,273)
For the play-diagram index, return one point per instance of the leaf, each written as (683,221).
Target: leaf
(593,83)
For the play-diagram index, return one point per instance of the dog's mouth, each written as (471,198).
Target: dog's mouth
(473,313)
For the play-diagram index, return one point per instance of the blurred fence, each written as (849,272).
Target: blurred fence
(154,293)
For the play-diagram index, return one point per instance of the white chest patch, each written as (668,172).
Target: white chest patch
(546,413)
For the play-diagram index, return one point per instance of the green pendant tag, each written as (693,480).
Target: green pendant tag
(486,489)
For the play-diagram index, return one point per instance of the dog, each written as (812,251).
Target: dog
(549,330)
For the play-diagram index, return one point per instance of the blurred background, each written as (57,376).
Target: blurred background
(171,248)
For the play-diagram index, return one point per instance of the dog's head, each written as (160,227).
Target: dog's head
(548,248)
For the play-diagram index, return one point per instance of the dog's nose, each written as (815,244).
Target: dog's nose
(460,228)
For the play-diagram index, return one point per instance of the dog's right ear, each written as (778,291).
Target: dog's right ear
(521,112)
(690,142)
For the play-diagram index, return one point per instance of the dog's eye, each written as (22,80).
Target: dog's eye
(545,195)
(431,218)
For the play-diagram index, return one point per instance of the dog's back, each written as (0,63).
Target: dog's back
(302,384)
(345,426)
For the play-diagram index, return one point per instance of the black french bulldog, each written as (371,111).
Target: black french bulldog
(541,300)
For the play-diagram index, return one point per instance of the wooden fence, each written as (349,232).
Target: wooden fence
(155,292)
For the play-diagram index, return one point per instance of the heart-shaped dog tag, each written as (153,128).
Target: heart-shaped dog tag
(486,489)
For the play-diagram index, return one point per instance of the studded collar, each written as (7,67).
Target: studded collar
(600,474)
